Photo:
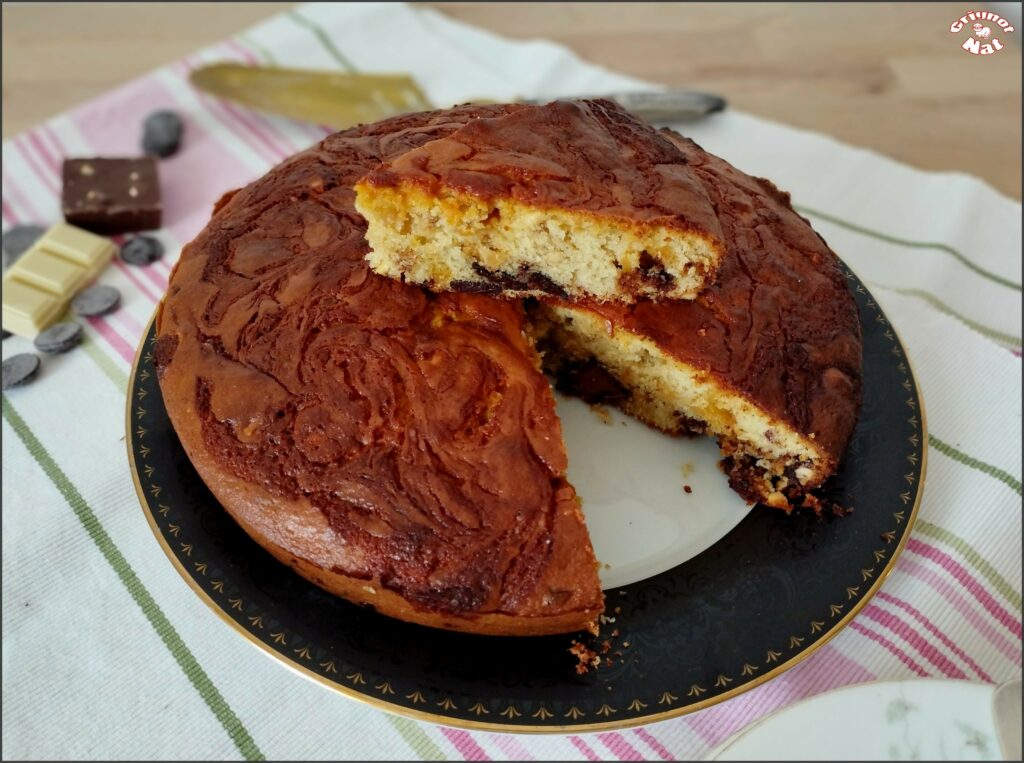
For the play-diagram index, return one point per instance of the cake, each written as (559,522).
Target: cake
(395,447)
(399,447)
(767,359)
(576,199)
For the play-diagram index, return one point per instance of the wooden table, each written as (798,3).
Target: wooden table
(887,77)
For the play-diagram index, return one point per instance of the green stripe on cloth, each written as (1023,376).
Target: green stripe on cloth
(911,244)
(109,368)
(177,647)
(938,304)
(968,552)
(324,38)
(417,739)
(992,471)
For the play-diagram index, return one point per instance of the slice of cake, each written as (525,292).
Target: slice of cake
(576,199)
(767,360)
(397,448)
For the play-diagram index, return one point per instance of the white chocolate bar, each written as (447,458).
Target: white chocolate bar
(39,286)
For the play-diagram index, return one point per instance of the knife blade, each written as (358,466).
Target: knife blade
(341,100)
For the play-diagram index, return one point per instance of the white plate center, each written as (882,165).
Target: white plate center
(631,479)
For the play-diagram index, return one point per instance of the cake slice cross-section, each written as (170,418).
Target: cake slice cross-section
(767,360)
(576,199)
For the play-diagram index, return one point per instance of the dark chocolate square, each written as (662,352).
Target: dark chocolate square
(112,195)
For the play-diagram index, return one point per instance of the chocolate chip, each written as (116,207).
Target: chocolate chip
(142,250)
(59,338)
(96,300)
(19,369)
(161,133)
(17,240)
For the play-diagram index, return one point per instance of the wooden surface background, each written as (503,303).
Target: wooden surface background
(885,76)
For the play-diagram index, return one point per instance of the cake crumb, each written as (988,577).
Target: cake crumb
(587,657)
(687,489)
(687,469)
(617,610)
(615,633)
(606,646)
(603,414)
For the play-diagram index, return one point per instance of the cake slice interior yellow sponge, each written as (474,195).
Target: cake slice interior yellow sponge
(572,199)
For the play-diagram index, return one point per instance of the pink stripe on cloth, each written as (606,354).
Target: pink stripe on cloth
(465,744)
(583,747)
(827,669)
(878,638)
(124,319)
(962,607)
(509,745)
(144,289)
(29,211)
(9,215)
(912,637)
(37,157)
(622,749)
(125,350)
(933,629)
(245,53)
(654,744)
(968,581)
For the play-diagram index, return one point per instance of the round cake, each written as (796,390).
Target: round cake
(395,447)
(400,448)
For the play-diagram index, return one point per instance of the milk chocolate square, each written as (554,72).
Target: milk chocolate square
(112,195)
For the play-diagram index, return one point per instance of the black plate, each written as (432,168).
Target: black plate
(760,600)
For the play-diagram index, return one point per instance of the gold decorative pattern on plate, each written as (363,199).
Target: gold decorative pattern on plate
(636,705)
(543,713)
(606,710)
(667,698)
(748,669)
(384,688)
(447,704)
(510,712)
(575,713)
(416,697)
(329,666)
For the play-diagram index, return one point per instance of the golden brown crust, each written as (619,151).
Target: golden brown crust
(381,437)
(587,156)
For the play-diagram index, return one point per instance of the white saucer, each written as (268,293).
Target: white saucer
(931,719)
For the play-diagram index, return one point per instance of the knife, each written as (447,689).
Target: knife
(342,100)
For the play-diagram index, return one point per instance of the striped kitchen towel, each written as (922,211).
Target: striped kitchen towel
(108,654)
